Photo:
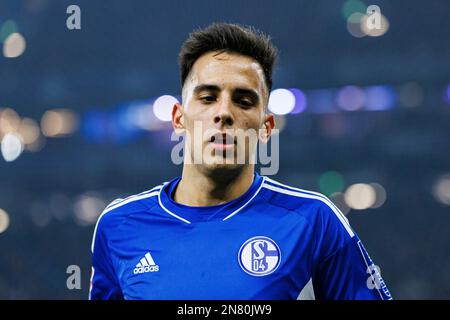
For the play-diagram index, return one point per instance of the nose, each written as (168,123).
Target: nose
(224,115)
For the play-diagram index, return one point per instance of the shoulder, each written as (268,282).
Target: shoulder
(119,209)
(294,198)
(135,201)
(313,206)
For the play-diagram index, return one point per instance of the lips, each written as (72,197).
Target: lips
(223,139)
(222,142)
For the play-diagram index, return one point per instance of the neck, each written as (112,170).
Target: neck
(198,188)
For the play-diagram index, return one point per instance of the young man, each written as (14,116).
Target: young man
(222,231)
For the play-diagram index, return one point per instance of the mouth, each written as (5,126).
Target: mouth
(223,141)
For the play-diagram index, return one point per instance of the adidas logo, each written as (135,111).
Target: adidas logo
(146,264)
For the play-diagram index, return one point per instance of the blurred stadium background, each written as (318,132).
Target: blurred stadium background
(364,119)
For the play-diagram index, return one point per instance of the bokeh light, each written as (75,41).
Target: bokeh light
(441,189)
(14,45)
(59,123)
(281,101)
(374,32)
(37,145)
(300,101)
(94,126)
(380,195)
(11,147)
(141,116)
(351,98)
(361,24)
(331,182)
(353,6)
(8,27)
(88,207)
(29,131)
(379,98)
(9,121)
(162,107)
(360,196)
(354,25)
(448,93)
(4,220)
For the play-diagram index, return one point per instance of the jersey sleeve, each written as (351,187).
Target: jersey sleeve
(104,283)
(344,269)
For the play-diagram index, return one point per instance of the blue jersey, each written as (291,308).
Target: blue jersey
(273,242)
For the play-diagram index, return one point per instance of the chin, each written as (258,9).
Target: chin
(220,165)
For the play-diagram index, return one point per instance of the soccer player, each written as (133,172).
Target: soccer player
(221,230)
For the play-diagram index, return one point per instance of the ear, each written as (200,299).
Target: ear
(178,119)
(268,126)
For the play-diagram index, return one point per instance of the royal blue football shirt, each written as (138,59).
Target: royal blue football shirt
(273,242)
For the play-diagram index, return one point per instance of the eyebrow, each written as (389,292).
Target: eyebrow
(215,88)
(206,87)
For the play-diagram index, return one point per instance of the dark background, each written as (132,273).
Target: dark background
(126,52)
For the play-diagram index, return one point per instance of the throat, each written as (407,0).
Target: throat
(206,191)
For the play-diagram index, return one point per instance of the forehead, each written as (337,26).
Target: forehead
(227,70)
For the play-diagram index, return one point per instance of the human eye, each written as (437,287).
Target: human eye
(207,99)
(245,102)
(245,98)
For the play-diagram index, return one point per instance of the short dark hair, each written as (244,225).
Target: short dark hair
(228,37)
